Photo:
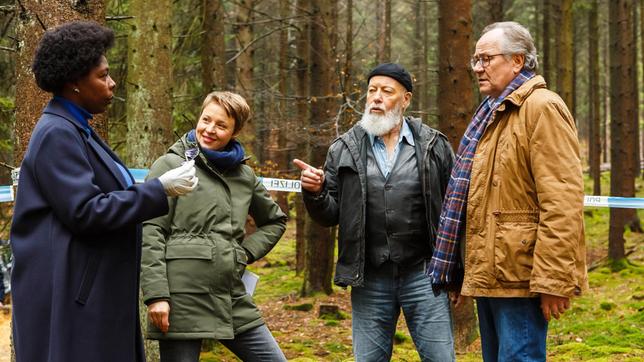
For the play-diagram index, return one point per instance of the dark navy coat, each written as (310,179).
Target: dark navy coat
(76,241)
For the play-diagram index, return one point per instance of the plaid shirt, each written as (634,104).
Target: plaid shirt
(452,220)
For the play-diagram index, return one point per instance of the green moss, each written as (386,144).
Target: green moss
(338,316)
(335,347)
(304,307)
(400,337)
(607,305)
(619,265)
(576,351)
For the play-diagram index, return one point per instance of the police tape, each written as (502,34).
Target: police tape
(286,185)
(6,194)
(614,202)
(271,184)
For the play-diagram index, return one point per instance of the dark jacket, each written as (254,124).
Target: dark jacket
(343,199)
(76,243)
(196,254)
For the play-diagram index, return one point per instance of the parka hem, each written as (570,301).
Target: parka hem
(205,335)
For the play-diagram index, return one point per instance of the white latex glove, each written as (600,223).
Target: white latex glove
(181,180)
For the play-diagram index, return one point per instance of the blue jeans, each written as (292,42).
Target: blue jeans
(253,345)
(512,329)
(376,307)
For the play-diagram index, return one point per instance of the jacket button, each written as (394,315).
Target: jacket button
(495,183)
(524,242)
(388,187)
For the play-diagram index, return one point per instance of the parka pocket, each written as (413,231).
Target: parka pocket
(189,268)
(241,260)
(514,241)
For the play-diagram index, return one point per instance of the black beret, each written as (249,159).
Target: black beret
(395,71)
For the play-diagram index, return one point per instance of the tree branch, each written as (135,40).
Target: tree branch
(118,18)
(7,8)
(254,41)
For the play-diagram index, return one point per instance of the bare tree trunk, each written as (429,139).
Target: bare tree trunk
(423,76)
(455,30)
(277,150)
(244,32)
(606,92)
(634,221)
(546,49)
(636,121)
(383,21)
(594,141)
(565,54)
(455,108)
(213,47)
(149,98)
(623,112)
(301,135)
(641,23)
(320,244)
(419,100)
(347,72)
(149,83)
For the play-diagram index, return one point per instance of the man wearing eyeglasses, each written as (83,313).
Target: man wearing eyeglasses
(513,214)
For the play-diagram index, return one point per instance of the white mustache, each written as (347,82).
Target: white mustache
(377,124)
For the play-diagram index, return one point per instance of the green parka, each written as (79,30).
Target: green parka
(195,255)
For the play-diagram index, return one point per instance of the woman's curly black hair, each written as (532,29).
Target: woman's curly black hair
(68,52)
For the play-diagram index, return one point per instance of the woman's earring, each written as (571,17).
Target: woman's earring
(76,90)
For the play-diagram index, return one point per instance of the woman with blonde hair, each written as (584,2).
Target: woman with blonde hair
(194,257)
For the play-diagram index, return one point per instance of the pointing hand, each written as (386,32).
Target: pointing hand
(312,178)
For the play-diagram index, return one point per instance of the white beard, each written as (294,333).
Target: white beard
(378,125)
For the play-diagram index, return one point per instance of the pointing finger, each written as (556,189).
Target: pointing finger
(301,164)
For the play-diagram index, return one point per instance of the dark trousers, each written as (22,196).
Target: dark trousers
(253,345)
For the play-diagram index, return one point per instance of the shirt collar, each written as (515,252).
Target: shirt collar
(405,133)
(80,114)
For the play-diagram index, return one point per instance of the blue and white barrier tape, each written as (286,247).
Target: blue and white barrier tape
(285,185)
(615,202)
(6,194)
(271,184)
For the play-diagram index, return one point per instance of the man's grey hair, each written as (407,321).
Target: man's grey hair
(516,40)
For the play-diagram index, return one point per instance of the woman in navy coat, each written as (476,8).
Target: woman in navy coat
(76,235)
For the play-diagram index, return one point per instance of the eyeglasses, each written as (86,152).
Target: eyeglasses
(483,59)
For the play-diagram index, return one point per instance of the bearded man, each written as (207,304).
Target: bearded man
(383,184)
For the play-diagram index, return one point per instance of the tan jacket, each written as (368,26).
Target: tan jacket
(525,230)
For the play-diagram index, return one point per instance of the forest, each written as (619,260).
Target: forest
(302,66)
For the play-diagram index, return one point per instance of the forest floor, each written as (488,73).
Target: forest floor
(605,324)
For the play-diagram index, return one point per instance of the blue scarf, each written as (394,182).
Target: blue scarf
(452,219)
(230,156)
